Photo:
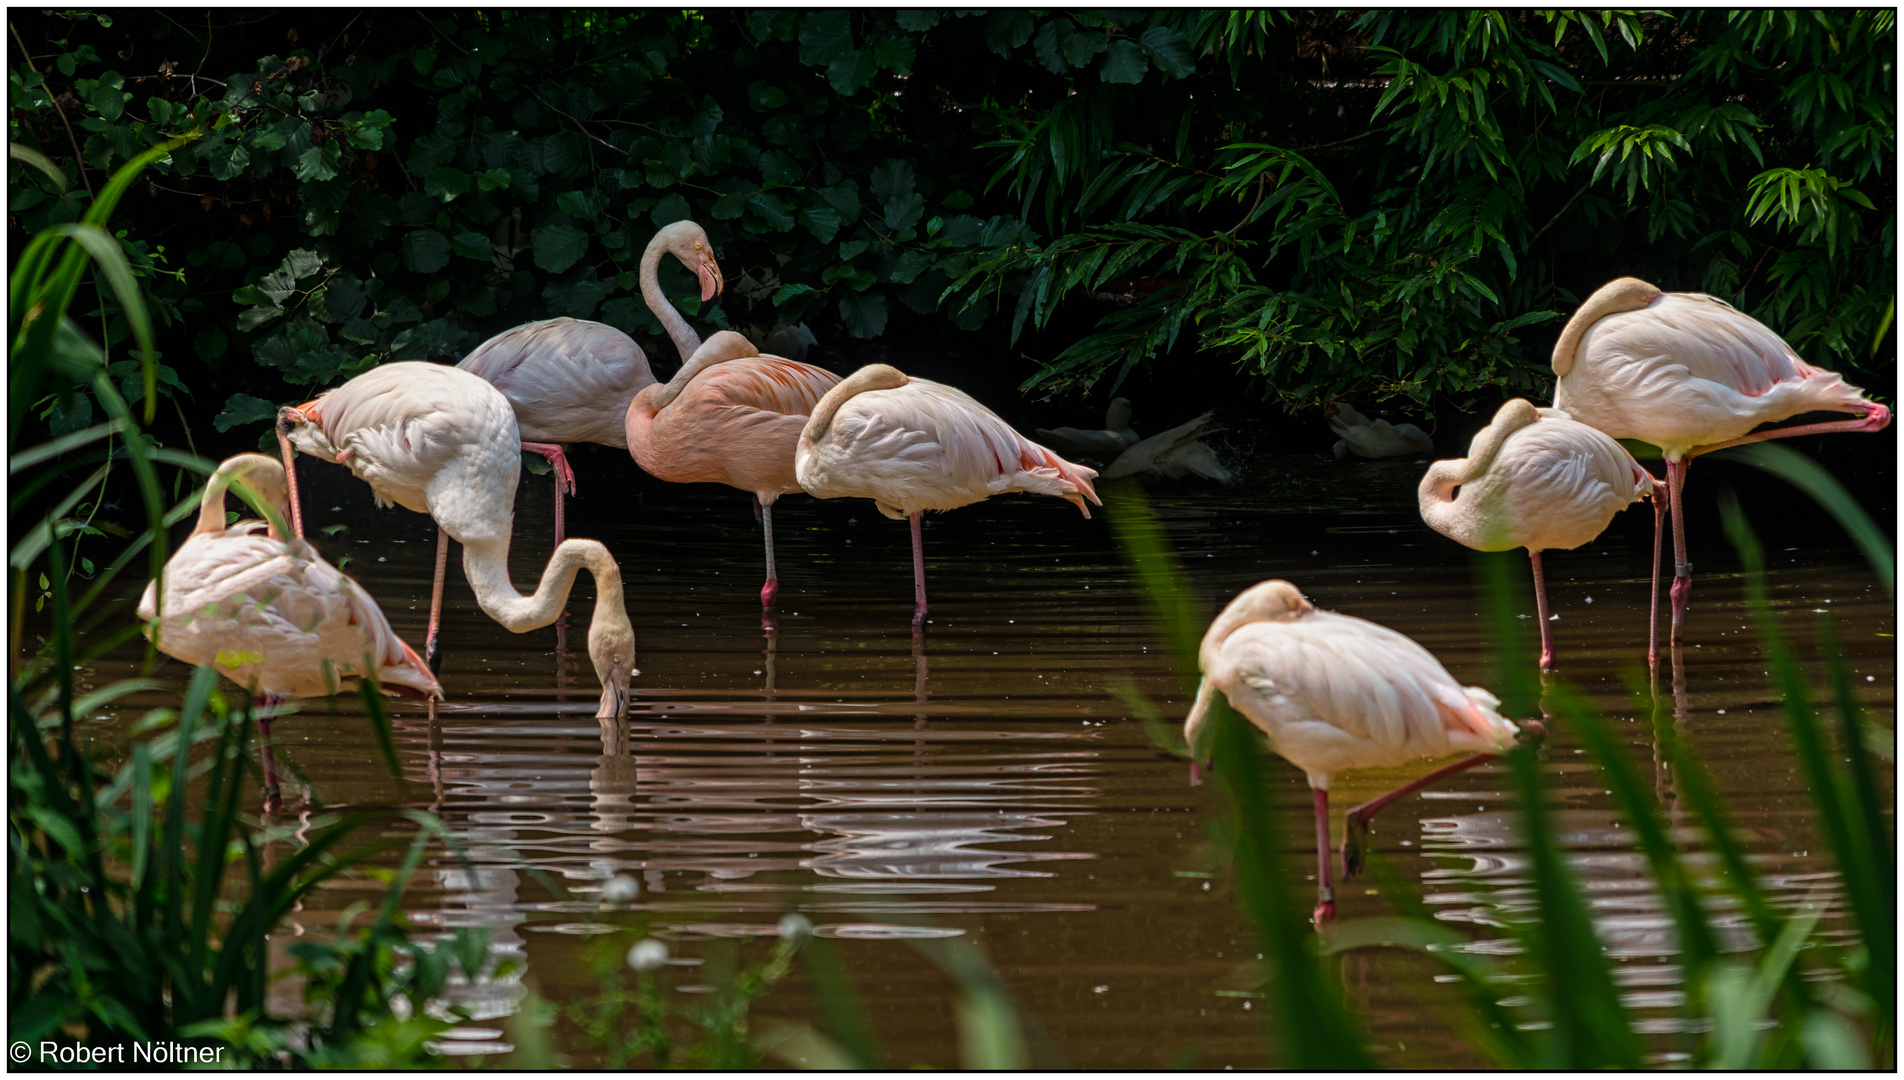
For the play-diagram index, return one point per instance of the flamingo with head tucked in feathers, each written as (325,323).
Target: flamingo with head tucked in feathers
(1534,478)
(570,380)
(730,416)
(1334,692)
(268,613)
(1690,374)
(443,442)
(913,445)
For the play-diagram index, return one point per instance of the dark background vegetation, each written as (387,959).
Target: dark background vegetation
(1255,210)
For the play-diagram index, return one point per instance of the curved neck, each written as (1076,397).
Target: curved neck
(684,338)
(723,346)
(1616,296)
(870,377)
(487,567)
(1437,493)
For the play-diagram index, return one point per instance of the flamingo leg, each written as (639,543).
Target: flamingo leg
(1652,611)
(273,801)
(432,650)
(1356,822)
(918,576)
(1876,417)
(1682,570)
(771,590)
(564,477)
(1540,606)
(290,481)
(1325,886)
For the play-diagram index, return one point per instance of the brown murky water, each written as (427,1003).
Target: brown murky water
(984,782)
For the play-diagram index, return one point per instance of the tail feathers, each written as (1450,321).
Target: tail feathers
(412,673)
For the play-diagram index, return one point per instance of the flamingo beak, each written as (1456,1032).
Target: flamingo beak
(615,695)
(709,272)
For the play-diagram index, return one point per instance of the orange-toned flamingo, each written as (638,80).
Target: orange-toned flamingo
(730,416)
(1535,479)
(268,613)
(913,445)
(1690,374)
(1334,692)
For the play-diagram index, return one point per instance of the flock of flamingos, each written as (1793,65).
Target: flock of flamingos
(1683,371)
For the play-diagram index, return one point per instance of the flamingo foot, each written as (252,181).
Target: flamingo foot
(1196,772)
(1534,732)
(770,592)
(273,801)
(1325,908)
(1547,659)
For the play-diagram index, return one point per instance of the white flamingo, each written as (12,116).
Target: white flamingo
(1373,438)
(1334,692)
(268,613)
(1690,374)
(443,442)
(913,445)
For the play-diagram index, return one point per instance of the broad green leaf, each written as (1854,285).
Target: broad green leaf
(1123,63)
(863,313)
(425,250)
(558,246)
(244,409)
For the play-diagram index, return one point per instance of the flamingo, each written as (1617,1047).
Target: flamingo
(730,416)
(1172,454)
(569,380)
(268,613)
(1533,478)
(441,441)
(1336,692)
(1373,438)
(1108,443)
(913,445)
(1690,374)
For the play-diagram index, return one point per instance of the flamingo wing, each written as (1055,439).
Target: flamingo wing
(770,383)
(568,380)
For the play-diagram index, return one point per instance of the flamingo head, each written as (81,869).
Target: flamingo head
(1275,600)
(611,647)
(688,242)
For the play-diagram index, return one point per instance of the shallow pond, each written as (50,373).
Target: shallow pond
(984,781)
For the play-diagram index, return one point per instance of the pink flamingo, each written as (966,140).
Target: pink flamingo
(729,416)
(1335,692)
(1690,374)
(268,613)
(571,381)
(441,441)
(913,445)
(1533,478)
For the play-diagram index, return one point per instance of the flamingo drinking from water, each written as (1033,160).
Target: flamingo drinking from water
(268,612)
(569,380)
(729,416)
(1334,692)
(913,445)
(1533,478)
(443,442)
(1690,373)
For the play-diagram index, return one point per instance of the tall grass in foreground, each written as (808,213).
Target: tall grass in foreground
(131,917)
(1825,1009)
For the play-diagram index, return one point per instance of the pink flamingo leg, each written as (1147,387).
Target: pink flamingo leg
(273,801)
(1540,606)
(290,480)
(1325,886)
(1356,822)
(564,477)
(1876,418)
(432,651)
(1659,536)
(918,576)
(1682,570)
(771,590)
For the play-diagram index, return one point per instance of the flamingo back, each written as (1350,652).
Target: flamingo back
(1554,484)
(569,380)
(275,618)
(927,446)
(735,423)
(1336,692)
(1689,370)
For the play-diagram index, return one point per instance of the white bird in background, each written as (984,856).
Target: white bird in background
(570,380)
(1690,373)
(1533,478)
(268,613)
(1373,438)
(913,445)
(1107,444)
(1172,454)
(443,442)
(1334,692)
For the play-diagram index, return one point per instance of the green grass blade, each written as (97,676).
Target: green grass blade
(1865,819)
(53,448)
(141,810)
(380,720)
(1811,478)
(845,1015)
